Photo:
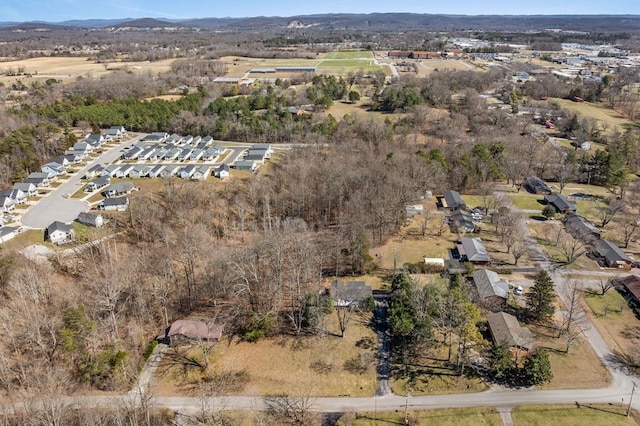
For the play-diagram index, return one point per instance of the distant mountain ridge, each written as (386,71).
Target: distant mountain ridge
(381,21)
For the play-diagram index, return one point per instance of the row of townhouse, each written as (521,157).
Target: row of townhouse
(166,152)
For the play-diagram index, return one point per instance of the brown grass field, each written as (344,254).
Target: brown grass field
(578,414)
(68,68)
(285,364)
(608,119)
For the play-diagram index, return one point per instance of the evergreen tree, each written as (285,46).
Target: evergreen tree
(540,298)
(501,361)
(537,368)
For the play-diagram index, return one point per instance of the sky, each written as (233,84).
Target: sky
(62,10)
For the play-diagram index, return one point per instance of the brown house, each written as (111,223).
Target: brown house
(631,287)
(188,330)
(505,328)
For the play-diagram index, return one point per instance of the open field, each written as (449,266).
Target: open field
(346,63)
(349,54)
(293,365)
(66,68)
(427,66)
(572,415)
(566,143)
(606,118)
(439,417)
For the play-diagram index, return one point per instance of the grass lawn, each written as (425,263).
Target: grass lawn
(358,63)
(525,201)
(572,415)
(566,143)
(350,54)
(614,319)
(606,117)
(26,238)
(440,417)
(296,366)
(429,373)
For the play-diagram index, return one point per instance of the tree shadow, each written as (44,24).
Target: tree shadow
(611,411)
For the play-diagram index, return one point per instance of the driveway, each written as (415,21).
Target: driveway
(54,206)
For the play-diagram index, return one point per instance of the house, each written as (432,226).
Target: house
(492,291)
(505,328)
(188,171)
(140,171)
(38,182)
(133,153)
(187,140)
(53,169)
(264,146)
(184,154)
(174,140)
(610,255)
(296,111)
(119,204)
(124,171)
(219,149)
(156,170)
(461,221)
(148,154)
(82,148)
(28,188)
(560,203)
(62,160)
(209,154)
(94,171)
(95,140)
(171,154)
(42,175)
(99,183)
(257,155)
(7,204)
(352,293)
(197,140)
(156,137)
(59,233)
(535,185)
(451,200)
(119,128)
(91,219)
(7,232)
(580,228)
(472,250)
(187,330)
(117,189)
(111,170)
(170,170)
(222,171)
(207,140)
(630,287)
(196,154)
(114,132)
(17,195)
(73,158)
(202,172)
(245,165)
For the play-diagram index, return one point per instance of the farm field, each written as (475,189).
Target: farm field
(67,68)
(349,54)
(572,415)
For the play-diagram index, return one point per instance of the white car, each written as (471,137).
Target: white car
(518,290)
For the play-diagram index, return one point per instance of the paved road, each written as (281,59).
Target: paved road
(55,206)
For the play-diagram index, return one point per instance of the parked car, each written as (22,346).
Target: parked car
(518,290)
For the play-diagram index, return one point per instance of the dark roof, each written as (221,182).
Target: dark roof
(473,250)
(453,199)
(610,252)
(349,292)
(560,202)
(119,188)
(537,185)
(631,283)
(117,201)
(506,328)
(489,284)
(462,219)
(580,227)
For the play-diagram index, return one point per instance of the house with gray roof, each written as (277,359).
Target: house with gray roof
(170,170)
(53,168)
(505,328)
(91,219)
(119,204)
(156,137)
(124,171)
(580,228)
(40,182)
(492,291)
(7,204)
(451,200)
(351,293)
(156,170)
(560,203)
(95,140)
(251,166)
(472,250)
(461,221)
(28,188)
(222,171)
(202,172)
(59,233)
(140,171)
(17,195)
(535,185)
(98,183)
(117,189)
(94,171)
(188,171)
(610,255)
(7,232)
(188,330)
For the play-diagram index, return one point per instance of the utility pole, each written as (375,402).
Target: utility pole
(631,399)
(406,408)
